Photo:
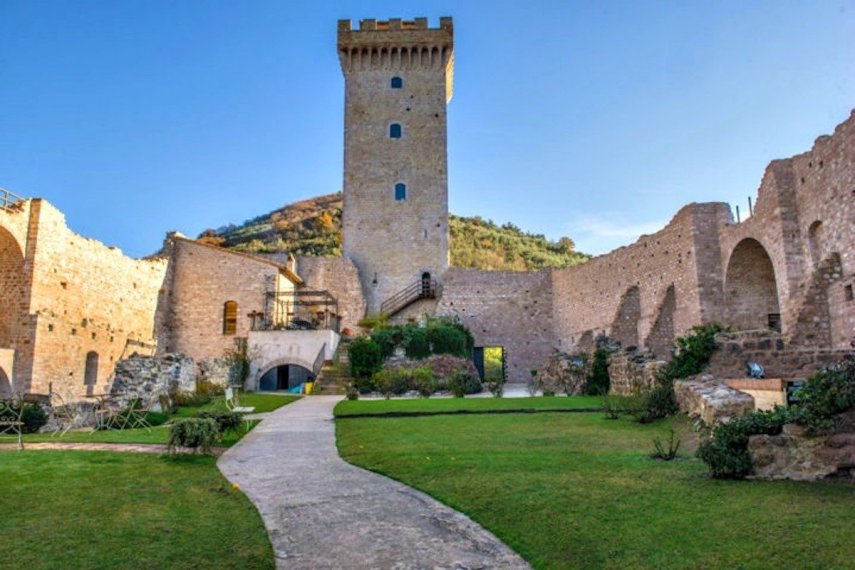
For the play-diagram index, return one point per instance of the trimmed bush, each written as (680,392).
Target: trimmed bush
(199,434)
(33,417)
(365,357)
(461,384)
(424,381)
(226,421)
(190,399)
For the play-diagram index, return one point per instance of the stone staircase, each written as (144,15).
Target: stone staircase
(335,374)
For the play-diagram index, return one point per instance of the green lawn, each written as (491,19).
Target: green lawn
(70,510)
(158,434)
(580,491)
(452,405)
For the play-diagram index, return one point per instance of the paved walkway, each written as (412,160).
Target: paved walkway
(322,512)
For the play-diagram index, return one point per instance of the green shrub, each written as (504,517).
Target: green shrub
(658,402)
(691,356)
(33,417)
(365,357)
(364,385)
(384,382)
(416,343)
(462,383)
(599,381)
(424,381)
(190,399)
(446,338)
(726,452)
(387,339)
(826,394)
(352,393)
(374,321)
(208,388)
(613,407)
(693,352)
(226,420)
(199,434)
(666,453)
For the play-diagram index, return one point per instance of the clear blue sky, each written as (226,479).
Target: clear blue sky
(596,120)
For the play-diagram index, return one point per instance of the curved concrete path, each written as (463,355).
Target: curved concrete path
(322,512)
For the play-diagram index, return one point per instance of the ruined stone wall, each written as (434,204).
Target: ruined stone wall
(202,279)
(643,294)
(339,276)
(507,309)
(804,219)
(80,302)
(393,242)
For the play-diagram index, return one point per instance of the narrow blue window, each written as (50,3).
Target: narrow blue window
(397,83)
(395,131)
(400,191)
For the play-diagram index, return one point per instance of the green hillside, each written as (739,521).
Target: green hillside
(313,227)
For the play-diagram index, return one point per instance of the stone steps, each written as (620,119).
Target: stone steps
(335,374)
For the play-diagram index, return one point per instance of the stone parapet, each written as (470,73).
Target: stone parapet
(710,400)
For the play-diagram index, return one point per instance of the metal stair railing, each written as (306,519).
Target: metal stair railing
(421,289)
(7,199)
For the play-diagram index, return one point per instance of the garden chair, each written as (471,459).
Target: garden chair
(11,418)
(233,405)
(134,416)
(68,414)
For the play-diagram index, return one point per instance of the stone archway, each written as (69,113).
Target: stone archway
(284,375)
(12,286)
(815,240)
(750,288)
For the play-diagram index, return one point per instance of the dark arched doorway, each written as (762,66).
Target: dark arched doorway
(751,290)
(289,377)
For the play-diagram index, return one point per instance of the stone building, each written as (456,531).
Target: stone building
(72,307)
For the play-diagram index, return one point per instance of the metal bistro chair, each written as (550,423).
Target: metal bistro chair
(68,414)
(233,405)
(134,415)
(11,414)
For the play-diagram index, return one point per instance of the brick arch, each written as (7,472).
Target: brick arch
(12,286)
(625,325)
(815,242)
(750,287)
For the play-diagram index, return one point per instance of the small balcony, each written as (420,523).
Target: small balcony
(302,310)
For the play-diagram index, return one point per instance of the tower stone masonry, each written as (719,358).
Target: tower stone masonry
(398,81)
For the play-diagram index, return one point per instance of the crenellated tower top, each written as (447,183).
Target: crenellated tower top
(397,44)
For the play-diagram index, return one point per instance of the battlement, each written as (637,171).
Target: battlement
(371,25)
(395,44)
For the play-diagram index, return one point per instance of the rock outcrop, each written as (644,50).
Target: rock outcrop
(796,455)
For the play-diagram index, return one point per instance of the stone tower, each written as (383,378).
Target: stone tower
(398,81)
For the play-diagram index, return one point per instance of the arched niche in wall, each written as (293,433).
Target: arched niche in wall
(12,286)
(750,288)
